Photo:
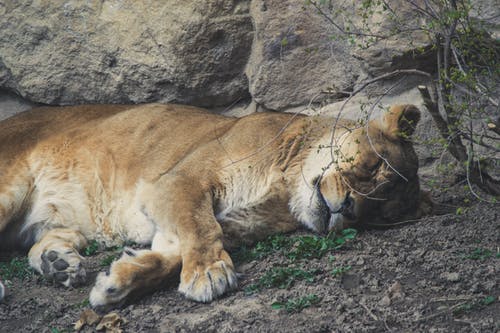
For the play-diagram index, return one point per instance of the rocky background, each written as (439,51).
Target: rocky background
(275,53)
(228,55)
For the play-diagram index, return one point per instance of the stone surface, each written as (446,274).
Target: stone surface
(301,51)
(293,58)
(273,54)
(10,104)
(70,52)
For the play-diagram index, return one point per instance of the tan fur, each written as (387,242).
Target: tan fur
(191,184)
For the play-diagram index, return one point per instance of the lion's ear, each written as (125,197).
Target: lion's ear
(400,121)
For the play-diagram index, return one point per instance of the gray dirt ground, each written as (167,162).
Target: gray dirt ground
(440,274)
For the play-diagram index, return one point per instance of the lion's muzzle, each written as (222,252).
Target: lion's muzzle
(347,207)
(335,218)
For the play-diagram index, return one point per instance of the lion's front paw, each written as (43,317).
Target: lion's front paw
(63,266)
(111,288)
(205,283)
(108,292)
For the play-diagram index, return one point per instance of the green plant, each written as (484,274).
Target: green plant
(479,254)
(91,248)
(282,278)
(62,330)
(474,305)
(108,260)
(83,304)
(337,271)
(295,247)
(16,268)
(309,247)
(297,304)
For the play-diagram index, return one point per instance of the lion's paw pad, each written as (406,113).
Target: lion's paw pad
(63,267)
(209,283)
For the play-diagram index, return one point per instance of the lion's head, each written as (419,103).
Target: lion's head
(370,177)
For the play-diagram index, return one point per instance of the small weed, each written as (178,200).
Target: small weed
(488,300)
(83,304)
(337,271)
(16,268)
(474,305)
(309,247)
(282,278)
(297,304)
(479,254)
(108,260)
(295,247)
(91,249)
(56,330)
(95,247)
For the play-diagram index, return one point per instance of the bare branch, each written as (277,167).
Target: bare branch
(345,32)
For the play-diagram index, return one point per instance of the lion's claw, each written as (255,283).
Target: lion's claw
(209,283)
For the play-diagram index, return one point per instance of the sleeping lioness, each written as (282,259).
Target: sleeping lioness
(191,184)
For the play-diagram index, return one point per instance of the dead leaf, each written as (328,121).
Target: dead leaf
(87,317)
(395,290)
(111,323)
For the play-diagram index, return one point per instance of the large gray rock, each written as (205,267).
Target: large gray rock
(293,57)
(282,53)
(300,52)
(68,52)
(11,104)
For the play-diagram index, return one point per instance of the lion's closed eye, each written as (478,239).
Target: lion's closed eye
(367,171)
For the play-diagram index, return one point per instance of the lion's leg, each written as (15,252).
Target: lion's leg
(56,256)
(137,272)
(185,206)
(15,187)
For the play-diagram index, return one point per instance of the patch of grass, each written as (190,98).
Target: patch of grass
(309,247)
(91,249)
(297,304)
(282,278)
(56,330)
(474,305)
(16,268)
(337,271)
(262,249)
(106,261)
(480,254)
(94,247)
(83,304)
(295,247)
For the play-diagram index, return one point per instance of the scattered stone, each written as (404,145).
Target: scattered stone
(451,276)
(385,301)
(395,290)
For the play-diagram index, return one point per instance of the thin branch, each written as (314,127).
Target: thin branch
(342,30)
(437,314)
(476,86)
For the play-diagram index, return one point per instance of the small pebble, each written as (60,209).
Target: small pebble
(452,277)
